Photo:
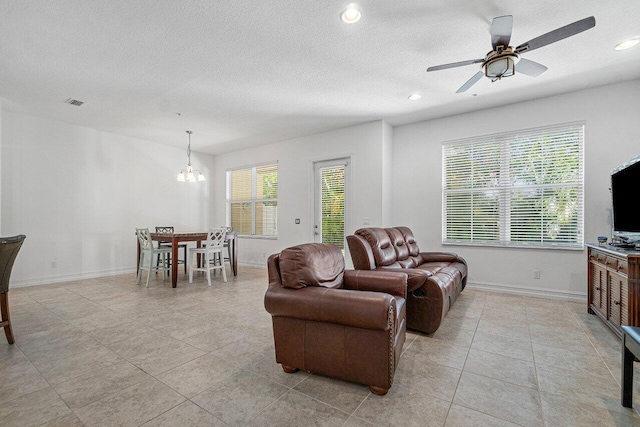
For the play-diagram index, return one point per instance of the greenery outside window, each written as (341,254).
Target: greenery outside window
(516,189)
(252,200)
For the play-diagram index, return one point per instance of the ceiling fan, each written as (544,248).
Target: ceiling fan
(501,61)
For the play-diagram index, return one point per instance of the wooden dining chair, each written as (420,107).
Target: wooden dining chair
(212,255)
(183,246)
(9,247)
(147,253)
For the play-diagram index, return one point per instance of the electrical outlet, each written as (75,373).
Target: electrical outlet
(536,274)
(297,220)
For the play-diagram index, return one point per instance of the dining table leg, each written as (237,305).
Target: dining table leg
(174,262)
(138,258)
(235,255)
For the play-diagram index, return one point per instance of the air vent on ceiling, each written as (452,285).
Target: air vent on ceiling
(74,102)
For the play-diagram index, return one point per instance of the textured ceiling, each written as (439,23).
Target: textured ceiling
(247,72)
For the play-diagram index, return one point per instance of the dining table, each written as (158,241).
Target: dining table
(193,236)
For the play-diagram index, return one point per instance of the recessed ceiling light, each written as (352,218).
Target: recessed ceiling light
(351,14)
(627,44)
(414,97)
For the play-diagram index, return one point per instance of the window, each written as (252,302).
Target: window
(519,189)
(252,200)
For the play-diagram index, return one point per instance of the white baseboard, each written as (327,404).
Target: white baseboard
(261,265)
(526,291)
(70,277)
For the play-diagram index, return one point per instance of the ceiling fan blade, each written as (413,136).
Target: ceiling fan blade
(557,35)
(530,68)
(473,80)
(455,64)
(501,27)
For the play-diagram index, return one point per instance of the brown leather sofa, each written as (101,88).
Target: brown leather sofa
(344,324)
(435,279)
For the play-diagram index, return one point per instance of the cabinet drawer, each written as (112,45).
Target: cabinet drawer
(622,267)
(612,262)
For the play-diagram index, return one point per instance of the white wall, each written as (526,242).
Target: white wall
(612,115)
(79,193)
(363,143)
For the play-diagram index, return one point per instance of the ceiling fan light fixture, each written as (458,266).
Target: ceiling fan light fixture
(351,14)
(627,44)
(502,66)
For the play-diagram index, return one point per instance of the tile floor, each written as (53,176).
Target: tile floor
(106,352)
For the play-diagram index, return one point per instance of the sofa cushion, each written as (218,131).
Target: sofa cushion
(312,264)
(397,240)
(410,240)
(381,246)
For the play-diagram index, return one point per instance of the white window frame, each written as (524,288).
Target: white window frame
(252,201)
(505,186)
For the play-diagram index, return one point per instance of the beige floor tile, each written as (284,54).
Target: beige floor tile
(19,381)
(296,409)
(357,422)
(498,344)
(520,405)
(113,333)
(239,398)
(559,411)
(343,395)
(132,406)
(439,351)
(577,359)
(503,368)
(59,370)
(185,414)
(507,328)
(166,358)
(403,407)
(198,375)
(453,334)
(102,382)
(459,416)
(70,420)
(35,408)
(216,338)
(268,368)
(592,388)
(419,373)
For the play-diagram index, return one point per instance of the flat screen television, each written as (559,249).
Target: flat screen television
(625,194)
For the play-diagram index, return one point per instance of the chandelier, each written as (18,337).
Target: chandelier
(188,175)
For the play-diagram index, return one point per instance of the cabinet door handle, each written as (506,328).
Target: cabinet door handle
(616,302)
(597,289)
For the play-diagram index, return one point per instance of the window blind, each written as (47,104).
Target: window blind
(332,200)
(520,188)
(252,200)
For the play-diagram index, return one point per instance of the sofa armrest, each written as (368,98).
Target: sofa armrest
(359,309)
(440,257)
(377,281)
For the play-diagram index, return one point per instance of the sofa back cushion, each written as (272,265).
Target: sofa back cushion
(312,264)
(380,242)
(397,240)
(409,240)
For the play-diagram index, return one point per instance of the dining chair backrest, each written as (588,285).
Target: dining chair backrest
(144,238)
(165,230)
(9,247)
(216,237)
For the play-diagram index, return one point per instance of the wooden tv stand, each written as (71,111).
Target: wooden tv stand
(614,285)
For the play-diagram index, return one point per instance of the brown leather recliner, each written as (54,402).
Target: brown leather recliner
(344,324)
(435,279)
